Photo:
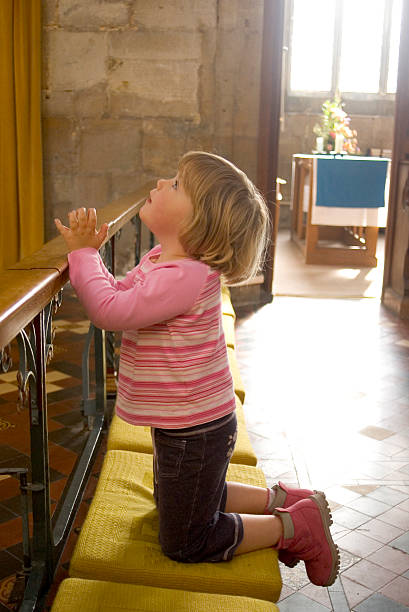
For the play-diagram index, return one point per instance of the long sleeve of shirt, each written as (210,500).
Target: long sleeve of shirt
(141,299)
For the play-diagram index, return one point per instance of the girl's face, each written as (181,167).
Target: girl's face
(167,209)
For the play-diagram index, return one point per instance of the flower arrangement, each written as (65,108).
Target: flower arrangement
(335,121)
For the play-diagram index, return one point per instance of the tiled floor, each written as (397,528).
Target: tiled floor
(327,407)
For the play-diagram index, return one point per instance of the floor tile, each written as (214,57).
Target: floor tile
(286,591)
(369,574)
(301,603)
(318,594)
(402,543)
(339,601)
(397,517)
(378,530)
(388,495)
(371,507)
(347,560)
(363,489)
(398,590)
(295,577)
(404,505)
(358,544)
(394,560)
(349,518)
(379,603)
(342,495)
(378,433)
(354,592)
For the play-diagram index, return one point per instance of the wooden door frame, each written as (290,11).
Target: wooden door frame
(400,150)
(269,124)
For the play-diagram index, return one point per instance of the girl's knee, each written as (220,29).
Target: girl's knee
(181,556)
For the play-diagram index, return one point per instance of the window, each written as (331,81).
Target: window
(350,46)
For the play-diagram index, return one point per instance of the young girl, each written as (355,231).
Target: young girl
(174,376)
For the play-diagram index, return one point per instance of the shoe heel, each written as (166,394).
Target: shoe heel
(287,558)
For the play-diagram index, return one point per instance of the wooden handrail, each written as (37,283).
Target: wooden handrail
(29,285)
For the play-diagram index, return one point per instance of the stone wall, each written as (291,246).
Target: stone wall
(130,85)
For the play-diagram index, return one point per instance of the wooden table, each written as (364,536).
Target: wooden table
(347,244)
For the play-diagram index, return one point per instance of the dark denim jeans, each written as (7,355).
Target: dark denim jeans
(190,491)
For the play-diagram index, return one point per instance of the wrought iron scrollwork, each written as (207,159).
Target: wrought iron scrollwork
(49,311)
(405,194)
(5,358)
(27,372)
(27,341)
(136,222)
(108,256)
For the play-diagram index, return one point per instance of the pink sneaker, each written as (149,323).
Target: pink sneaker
(306,536)
(283,498)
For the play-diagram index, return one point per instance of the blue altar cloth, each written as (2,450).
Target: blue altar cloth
(351,182)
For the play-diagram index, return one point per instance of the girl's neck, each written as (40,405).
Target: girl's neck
(171,250)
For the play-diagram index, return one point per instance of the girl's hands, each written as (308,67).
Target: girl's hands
(82,231)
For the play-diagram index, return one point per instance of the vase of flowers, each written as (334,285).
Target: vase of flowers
(335,129)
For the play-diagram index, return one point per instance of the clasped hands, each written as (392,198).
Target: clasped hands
(82,231)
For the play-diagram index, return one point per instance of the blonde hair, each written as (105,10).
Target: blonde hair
(229,229)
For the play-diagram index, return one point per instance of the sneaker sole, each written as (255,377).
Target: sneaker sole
(320,500)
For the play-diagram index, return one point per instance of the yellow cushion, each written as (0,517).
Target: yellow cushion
(94,596)
(227,307)
(243,451)
(123,436)
(228,329)
(235,372)
(119,538)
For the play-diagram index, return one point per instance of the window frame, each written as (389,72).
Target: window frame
(381,102)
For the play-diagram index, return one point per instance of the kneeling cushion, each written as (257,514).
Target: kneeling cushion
(235,372)
(119,539)
(95,595)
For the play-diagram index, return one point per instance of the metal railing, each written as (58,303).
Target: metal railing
(30,294)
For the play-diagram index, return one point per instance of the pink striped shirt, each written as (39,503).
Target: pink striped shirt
(173,370)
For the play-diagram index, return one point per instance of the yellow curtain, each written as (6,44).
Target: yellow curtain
(21,177)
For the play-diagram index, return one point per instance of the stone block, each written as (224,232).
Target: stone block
(200,139)
(246,115)
(59,145)
(59,197)
(227,77)
(245,155)
(153,88)
(175,14)
(207,90)
(60,188)
(383,133)
(93,14)
(153,45)
(92,191)
(53,210)
(122,184)
(241,16)
(163,145)
(223,146)
(91,102)
(110,145)
(76,59)
(57,103)
(49,12)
